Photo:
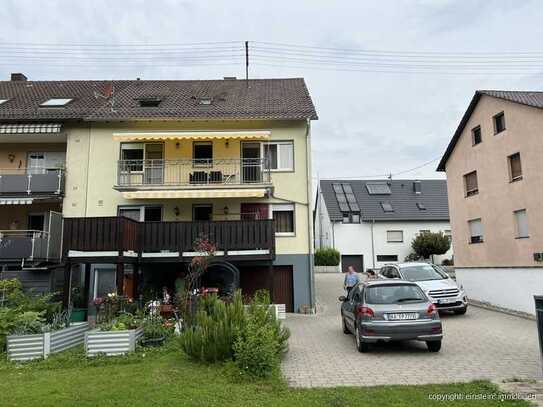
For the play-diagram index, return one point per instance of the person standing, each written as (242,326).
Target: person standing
(351,279)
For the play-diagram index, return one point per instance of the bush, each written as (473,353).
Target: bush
(327,256)
(447,262)
(412,257)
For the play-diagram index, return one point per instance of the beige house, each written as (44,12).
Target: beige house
(495,187)
(148,167)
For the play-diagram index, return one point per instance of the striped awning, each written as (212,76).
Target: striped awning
(30,128)
(193,135)
(15,201)
(197,193)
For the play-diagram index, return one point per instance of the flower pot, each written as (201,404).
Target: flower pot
(78,315)
(153,342)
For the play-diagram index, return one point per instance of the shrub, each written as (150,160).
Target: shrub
(327,256)
(427,244)
(447,262)
(216,327)
(412,257)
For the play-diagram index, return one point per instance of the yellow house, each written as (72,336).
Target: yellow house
(149,167)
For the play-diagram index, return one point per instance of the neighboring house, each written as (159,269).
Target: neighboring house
(373,223)
(495,178)
(146,167)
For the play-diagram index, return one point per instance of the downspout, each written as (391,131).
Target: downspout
(372,245)
(309,215)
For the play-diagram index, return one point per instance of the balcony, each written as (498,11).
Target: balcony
(42,182)
(192,174)
(172,241)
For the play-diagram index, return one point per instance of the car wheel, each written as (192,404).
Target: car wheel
(461,311)
(360,346)
(434,346)
(344,325)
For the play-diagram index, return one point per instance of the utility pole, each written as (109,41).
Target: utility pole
(247,62)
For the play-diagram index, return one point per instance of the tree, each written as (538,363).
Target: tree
(428,244)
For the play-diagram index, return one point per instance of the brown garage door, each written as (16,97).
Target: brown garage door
(283,290)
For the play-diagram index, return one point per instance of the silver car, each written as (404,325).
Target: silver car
(444,292)
(395,310)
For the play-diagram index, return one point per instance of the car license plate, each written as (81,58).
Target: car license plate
(402,316)
(446,300)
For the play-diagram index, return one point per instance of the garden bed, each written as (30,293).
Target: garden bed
(111,343)
(38,346)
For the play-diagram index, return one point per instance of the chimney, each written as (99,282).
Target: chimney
(417,187)
(18,77)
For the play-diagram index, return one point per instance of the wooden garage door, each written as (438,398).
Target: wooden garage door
(283,287)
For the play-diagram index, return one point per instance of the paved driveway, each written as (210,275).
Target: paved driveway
(479,345)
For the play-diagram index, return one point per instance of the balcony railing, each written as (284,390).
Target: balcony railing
(119,234)
(28,182)
(203,172)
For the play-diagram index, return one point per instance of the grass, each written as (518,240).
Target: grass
(165,377)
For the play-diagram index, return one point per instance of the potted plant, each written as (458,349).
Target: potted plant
(155,331)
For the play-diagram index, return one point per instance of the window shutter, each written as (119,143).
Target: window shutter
(476,227)
(395,236)
(522,223)
(471,182)
(516,168)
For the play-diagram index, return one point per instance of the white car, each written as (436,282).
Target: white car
(442,290)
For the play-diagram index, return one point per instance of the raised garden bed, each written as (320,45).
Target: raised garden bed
(111,343)
(38,346)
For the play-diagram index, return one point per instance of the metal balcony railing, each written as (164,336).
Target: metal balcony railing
(31,181)
(212,172)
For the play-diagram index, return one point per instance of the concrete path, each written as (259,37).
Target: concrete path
(479,345)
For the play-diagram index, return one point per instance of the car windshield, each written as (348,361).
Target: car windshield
(394,294)
(423,272)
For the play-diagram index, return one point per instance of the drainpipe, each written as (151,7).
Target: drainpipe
(372,245)
(309,214)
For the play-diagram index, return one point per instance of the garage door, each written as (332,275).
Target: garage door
(357,261)
(283,292)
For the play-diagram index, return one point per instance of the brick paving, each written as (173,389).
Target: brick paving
(482,344)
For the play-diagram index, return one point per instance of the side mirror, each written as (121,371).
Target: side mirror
(342,298)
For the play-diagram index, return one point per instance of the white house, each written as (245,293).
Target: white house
(372,223)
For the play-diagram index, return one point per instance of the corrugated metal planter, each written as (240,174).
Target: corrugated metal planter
(28,347)
(111,343)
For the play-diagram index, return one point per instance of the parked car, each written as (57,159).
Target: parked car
(395,310)
(444,292)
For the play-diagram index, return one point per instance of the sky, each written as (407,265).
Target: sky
(370,122)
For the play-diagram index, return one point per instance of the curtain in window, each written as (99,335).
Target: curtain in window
(286,156)
(284,221)
(522,223)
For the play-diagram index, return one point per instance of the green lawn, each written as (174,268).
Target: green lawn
(165,377)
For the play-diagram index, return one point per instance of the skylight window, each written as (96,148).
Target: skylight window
(387,207)
(149,102)
(2,101)
(205,101)
(378,188)
(421,206)
(56,102)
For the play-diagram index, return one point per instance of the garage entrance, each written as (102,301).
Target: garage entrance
(355,260)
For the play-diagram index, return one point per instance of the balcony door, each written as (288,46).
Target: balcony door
(154,163)
(141,163)
(251,163)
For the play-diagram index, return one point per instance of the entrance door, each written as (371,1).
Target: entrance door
(283,287)
(357,261)
(251,169)
(36,221)
(201,212)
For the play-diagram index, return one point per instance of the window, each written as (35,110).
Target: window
(448,234)
(2,101)
(205,101)
(149,102)
(387,207)
(470,183)
(394,294)
(515,167)
(475,231)
(283,219)
(351,217)
(421,206)
(394,236)
(141,213)
(499,123)
(104,282)
(521,221)
(476,135)
(378,188)
(56,102)
(132,157)
(387,257)
(202,153)
(202,212)
(279,155)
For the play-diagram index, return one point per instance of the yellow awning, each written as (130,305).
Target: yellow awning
(193,135)
(197,193)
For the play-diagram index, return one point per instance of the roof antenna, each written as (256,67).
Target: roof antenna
(247,63)
(389,179)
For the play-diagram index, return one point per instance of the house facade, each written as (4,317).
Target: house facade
(151,166)
(372,223)
(494,179)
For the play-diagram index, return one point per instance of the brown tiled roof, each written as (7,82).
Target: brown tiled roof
(528,98)
(286,99)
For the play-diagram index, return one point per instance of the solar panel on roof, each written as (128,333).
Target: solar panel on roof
(380,188)
(344,207)
(354,207)
(337,188)
(350,198)
(341,198)
(347,188)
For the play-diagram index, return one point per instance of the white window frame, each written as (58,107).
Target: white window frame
(471,235)
(278,143)
(56,102)
(284,208)
(389,240)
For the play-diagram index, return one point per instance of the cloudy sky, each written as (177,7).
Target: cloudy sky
(371,122)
